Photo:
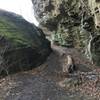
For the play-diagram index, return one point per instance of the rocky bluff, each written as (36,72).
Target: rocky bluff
(71,23)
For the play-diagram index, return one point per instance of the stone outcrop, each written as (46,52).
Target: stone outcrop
(23,46)
(71,23)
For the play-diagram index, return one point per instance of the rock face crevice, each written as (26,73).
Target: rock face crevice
(23,46)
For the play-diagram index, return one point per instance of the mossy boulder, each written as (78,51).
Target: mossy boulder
(23,46)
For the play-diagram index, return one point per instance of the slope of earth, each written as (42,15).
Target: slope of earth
(21,44)
(47,82)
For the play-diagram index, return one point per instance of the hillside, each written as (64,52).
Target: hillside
(59,59)
(22,45)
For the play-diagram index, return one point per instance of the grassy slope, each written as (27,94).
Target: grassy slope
(17,30)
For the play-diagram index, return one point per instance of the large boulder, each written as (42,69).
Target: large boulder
(23,46)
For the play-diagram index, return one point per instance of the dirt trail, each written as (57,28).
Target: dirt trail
(43,83)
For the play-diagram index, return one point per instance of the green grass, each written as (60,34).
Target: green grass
(17,30)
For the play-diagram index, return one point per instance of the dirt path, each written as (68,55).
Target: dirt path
(48,83)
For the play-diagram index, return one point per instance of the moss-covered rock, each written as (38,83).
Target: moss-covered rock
(22,45)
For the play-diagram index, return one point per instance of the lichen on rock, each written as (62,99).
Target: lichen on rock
(70,22)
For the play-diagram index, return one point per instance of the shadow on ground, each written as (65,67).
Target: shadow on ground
(42,83)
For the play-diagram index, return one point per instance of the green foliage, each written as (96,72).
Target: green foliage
(63,37)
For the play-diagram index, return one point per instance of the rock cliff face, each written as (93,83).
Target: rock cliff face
(72,23)
(23,46)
